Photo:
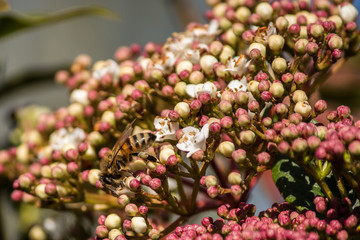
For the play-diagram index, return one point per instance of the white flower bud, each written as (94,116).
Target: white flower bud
(36,232)
(348,12)
(226,148)
(220,9)
(184,65)
(264,10)
(226,53)
(277,89)
(183,109)
(40,191)
(234,178)
(259,46)
(45,171)
(138,165)
(126,70)
(337,20)
(242,14)
(276,43)
(207,62)
(299,96)
(109,117)
(113,221)
(90,154)
(67,146)
(95,138)
(94,175)
(22,153)
(76,109)
(138,224)
(253,88)
(32,136)
(114,233)
(180,88)
(165,154)
(303,108)
(79,96)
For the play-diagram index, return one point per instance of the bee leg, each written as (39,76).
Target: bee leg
(146,156)
(110,184)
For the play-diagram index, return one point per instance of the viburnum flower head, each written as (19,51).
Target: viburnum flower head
(101,68)
(193,139)
(165,129)
(194,90)
(64,136)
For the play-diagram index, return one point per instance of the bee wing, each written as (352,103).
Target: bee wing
(126,133)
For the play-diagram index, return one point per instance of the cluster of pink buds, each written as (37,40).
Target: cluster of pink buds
(224,100)
(281,221)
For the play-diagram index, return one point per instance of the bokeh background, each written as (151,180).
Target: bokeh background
(29,60)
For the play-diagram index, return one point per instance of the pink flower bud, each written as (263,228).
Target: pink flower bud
(343,111)
(248,36)
(101,231)
(16,195)
(71,154)
(281,109)
(173,115)
(195,105)
(103,151)
(123,200)
(134,184)
(155,184)
(212,191)
(204,98)
(299,145)
(254,106)
(72,168)
(143,210)
(241,98)
(198,155)
(168,91)
(101,220)
(82,147)
(203,120)
(294,30)
(172,160)
(136,94)
(226,122)
(263,158)
(239,155)
(85,175)
(131,209)
(215,127)
(50,189)
(160,169)
(287,78)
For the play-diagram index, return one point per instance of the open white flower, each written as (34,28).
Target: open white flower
(178,44)
(79,96)
(63,136)
(237,65)
(238,85)
(263,33)
(166,63)
(348,12)
(194,90)
(102,68)
(193,139)
(206,34)
(165,129)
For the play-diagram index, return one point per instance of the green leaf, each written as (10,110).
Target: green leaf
(294,184)
(12,22)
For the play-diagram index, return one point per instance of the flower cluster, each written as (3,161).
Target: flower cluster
(230,96)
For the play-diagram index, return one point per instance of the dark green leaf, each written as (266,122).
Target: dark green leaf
(294,184)
(11,22)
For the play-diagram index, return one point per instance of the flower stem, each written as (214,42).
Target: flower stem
(340,184)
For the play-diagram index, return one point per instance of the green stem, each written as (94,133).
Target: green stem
(340,184)
(323,185)
(182,194)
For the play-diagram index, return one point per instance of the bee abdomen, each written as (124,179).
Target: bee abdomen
(138,142)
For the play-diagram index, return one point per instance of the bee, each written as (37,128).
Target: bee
(114,167)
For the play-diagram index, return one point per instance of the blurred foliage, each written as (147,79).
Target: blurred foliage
(12,22)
